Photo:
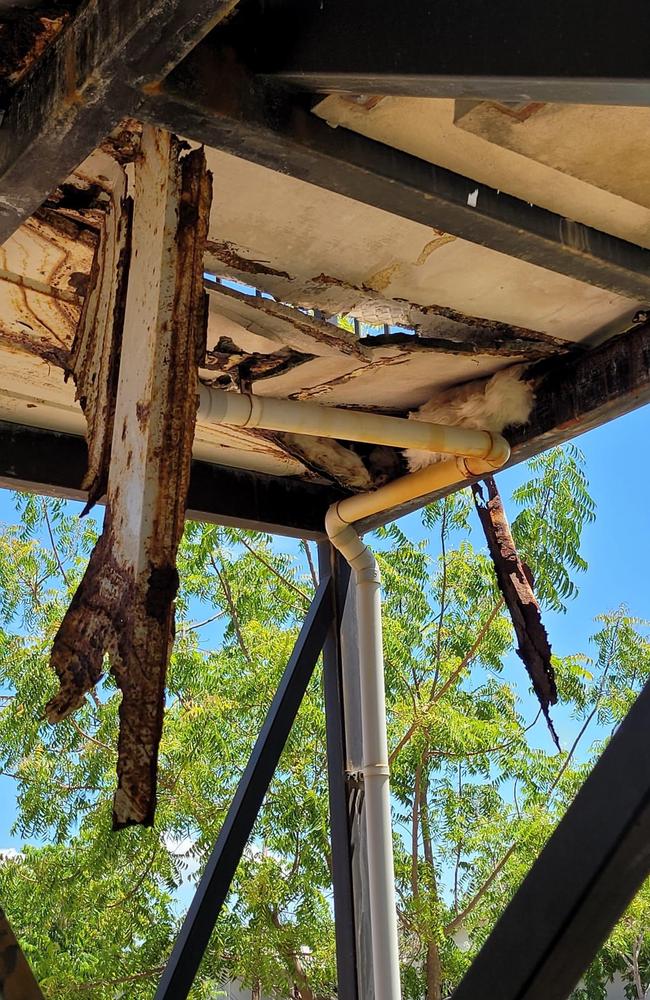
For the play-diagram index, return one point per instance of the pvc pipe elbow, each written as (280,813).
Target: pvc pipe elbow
(343,537)
(496,457)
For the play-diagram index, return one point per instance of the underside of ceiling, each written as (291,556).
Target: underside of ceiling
(301,263)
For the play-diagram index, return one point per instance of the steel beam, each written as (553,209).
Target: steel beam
(573,395)
(33,460)
(90,78)
(555,51)
(330,562)
(582,882)
(215,883)
(211,99)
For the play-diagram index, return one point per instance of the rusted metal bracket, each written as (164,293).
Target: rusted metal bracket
(16,978)
(124,605)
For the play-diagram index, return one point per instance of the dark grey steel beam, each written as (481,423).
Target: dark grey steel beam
(210,98)
(83,86)
(16,978)
(215,882)
(42,461)
(511,51)
(582,882)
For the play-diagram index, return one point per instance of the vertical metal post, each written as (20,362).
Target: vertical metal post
(343,724)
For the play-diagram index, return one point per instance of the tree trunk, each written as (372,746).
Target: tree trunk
(433,972)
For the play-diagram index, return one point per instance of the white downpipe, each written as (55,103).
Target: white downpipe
(344,537)
(477,452)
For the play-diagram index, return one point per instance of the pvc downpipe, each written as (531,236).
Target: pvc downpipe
(479,452)
(342,534)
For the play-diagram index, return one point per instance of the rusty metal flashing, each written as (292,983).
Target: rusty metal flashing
(91,77)
(516,586)
(94,361)
(124,605)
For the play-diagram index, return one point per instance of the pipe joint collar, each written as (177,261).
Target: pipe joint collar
(375,771)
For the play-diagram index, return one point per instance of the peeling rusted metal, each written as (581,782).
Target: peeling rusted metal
(25,34)
(94,361)
(500,346)
(231,256)
(315,329)
(124,605)
(228,358)
(16,978)
(516,585)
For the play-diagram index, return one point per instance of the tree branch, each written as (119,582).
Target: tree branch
(310,562)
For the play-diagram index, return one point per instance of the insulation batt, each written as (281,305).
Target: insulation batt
(504,400)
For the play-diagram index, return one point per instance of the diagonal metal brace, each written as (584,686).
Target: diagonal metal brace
(582,882)
(16,978)
(215,883)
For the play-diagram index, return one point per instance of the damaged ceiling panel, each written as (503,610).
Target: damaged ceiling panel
(385,269)
(465,312)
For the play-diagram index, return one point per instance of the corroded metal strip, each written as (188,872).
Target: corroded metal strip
(95,355)
(125,603)
(16,979)
(515,584)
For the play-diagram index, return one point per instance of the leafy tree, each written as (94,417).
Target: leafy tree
(475,791)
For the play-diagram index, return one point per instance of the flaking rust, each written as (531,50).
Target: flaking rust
(124,605)
(516,586)
(94,361)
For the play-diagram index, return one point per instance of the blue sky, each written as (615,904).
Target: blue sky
(616,546)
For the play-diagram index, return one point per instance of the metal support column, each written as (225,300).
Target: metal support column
(339,799)
(215,883)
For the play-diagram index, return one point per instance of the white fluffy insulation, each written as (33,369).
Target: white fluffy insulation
(491,404)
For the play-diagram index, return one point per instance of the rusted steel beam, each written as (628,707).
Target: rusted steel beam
(211,98)
(16,978)
(572,396)
(124,605)
(90,78)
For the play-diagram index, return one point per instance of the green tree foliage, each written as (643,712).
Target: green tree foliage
(477,787)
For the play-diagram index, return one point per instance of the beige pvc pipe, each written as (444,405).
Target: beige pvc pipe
(245,410)
(477,452)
